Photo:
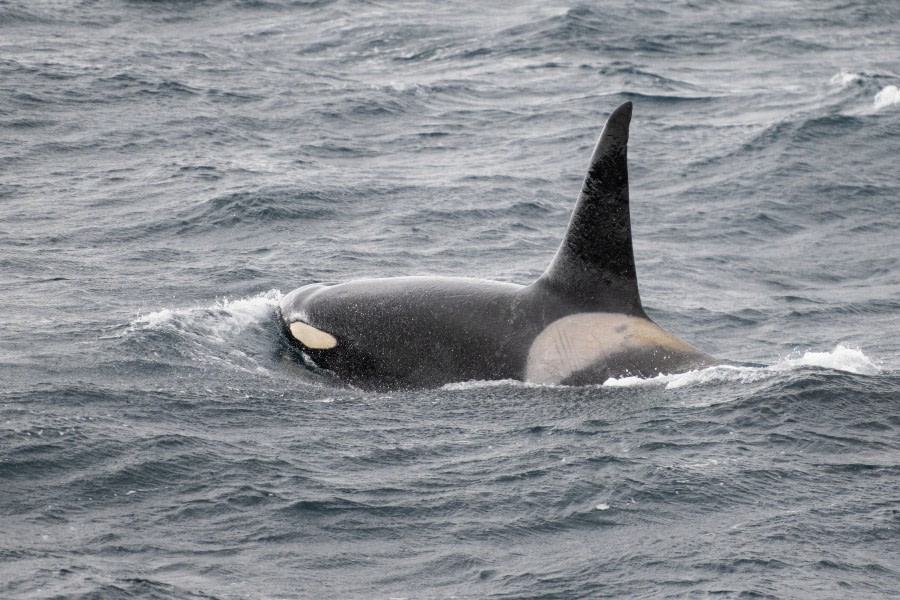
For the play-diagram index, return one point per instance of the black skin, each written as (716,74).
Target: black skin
(425,331)
(422,332)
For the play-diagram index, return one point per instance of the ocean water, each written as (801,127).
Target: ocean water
(169,169)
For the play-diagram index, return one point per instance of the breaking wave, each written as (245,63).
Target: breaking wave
(849,360)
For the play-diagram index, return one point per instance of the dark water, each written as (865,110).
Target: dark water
(167,167)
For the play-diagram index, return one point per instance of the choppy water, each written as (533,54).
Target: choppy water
(168,169)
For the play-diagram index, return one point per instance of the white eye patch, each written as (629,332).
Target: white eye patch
(311,337)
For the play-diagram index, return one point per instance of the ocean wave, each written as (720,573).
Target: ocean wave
(262,205)
(17,15)
(238,209)
(230,336)
(888,96)
(845,78)
(863,84)
(842,358)
(492,383)
(222,320)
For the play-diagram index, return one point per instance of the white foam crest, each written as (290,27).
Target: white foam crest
(709,375)
(888,96)
(480,384)
(842,358)
(152,320)
(844,78)
(225,317)
(249,311)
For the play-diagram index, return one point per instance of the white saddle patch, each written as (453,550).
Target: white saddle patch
(311,337)
(575,342)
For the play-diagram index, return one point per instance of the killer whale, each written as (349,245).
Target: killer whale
(581,322)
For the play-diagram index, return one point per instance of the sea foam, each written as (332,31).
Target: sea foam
(888,96)
(844,78)
(842,358)
(223,318)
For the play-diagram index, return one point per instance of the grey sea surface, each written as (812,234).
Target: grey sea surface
(168,170)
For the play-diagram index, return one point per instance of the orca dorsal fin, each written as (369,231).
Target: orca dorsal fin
(595,261)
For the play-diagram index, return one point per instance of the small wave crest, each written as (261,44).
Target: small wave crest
(219,321)
(888,96)
(481,384)
(844,78)
(842,358)
(229,333)
(719,374)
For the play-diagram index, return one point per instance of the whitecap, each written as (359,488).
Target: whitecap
(222,318)
(478,384)
(717,374)
(842,358)
(888,96)
(844,78)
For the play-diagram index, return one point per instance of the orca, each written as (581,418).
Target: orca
(581,322)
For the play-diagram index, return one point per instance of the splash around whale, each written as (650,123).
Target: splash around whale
(581,322)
